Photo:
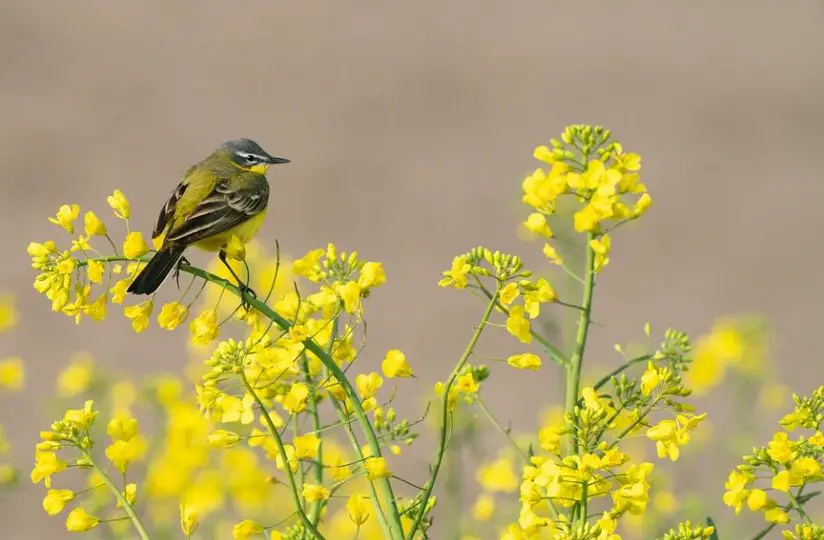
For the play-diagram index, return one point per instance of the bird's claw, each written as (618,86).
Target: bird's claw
(246,293)
(181,261)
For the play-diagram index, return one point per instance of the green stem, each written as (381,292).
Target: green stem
(287,468)
(424,500)
(350,433)
(316,427)
(385,487)
(138,525)
(299,480)
(504,431)
(798,507)
(573,379)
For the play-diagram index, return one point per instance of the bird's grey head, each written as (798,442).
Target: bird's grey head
(247,153)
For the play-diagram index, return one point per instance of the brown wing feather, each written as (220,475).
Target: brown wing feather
(168,210)
(221,210)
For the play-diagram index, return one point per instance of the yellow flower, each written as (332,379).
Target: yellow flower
(483,508)
(234,409)
(122,453)
(172,315)
(509,293)
(585,219)
(95,270)
(737,491)
(357,509)
(77,376)
(350,294)
(776,515)
(81,418)
(46,464)
(65,217)
(552,255)
(498,476)
(466,383)
(376,467)
(536,223)
(307,266)
(758,500)
(601,247)
(371,275)
(235,249)
(518,325)
(188,519)
(457,275)
(122,428)
(204,328)
(246,529)
(525,361)
(94,225)
(79,521)
(139,315)
(641,205)
(12,375)
(306,446)
(541,293)
(130,494)
(780,448)
(8,313)
(119,290)
(295,399)
(314,492)
(119,204)
(56,500)
(650,379)
(220,438)
(395,365)
(368,385)
(134,246)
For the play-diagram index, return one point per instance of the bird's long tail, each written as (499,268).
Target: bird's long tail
(154,274)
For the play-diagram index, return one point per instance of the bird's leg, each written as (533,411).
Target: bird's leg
(181,261)
(245,290)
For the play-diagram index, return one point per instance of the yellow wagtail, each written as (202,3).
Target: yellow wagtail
(224,195)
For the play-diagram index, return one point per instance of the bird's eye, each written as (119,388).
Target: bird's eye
(252,159)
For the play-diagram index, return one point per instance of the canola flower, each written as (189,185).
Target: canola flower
(279,408)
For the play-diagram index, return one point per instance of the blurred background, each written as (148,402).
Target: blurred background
(410,128)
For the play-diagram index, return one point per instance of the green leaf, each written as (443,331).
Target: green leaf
(712,524)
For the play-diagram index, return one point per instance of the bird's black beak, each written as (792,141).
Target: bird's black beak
(274,160)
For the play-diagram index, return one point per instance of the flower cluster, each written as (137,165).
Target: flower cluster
(602,180)
(281,406)
(791,466)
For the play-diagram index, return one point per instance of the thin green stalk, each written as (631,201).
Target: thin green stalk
(347,424)
(504,431)
(138,525)
(387,531)
(424,500)
(299,480)
(573,379)
(798,507)
(287,468)
(316,427)
(385,486)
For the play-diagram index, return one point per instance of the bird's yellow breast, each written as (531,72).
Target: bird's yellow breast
(244,231)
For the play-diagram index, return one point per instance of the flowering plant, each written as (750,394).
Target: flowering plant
(283,436)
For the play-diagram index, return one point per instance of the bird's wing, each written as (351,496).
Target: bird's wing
(230,204)
(168,211)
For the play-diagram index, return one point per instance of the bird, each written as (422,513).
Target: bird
(225,195)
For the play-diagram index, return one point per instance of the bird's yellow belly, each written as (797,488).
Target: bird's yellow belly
(244,231)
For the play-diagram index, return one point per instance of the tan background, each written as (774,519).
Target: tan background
(410,128)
